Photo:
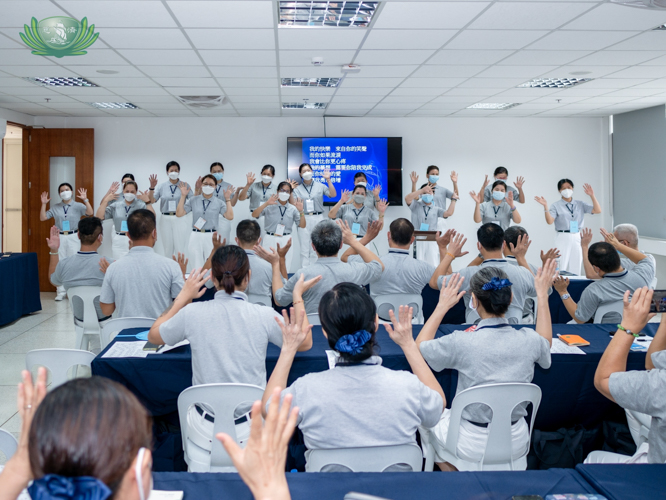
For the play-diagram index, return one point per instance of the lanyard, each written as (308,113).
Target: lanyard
(359,212)
(426,213)
(173,189)
(308,190)
(266,188)
(496,210)
(571,210)
(127,209)
(205,207)
(66,208)
(282,213)
(493,326)
(217,189)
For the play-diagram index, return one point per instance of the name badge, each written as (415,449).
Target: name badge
(573,226)
(356,228)
(65,225)
(424,227)
(279,230)
(309,206)
(171,206)
(200,223)
(123,226)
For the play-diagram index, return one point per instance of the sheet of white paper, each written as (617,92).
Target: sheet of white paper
(332,358)
(641,344)
(127,350)
(165,495)
(560,347)
(575,278)
(167,348)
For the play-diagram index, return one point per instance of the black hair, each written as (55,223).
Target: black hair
(402,231)
(499,183)
(140,224)
(169,165)
(344,310)
(604,256)
(248,231)
(131,183)
(209,176)
(300,168)
(229,266)
(131,176)
(284,183)
(89,230)
(65,184)
(431,168)
(495,302)
(500,170)
(491,236)
(216,164)
(326,237)
(512,234)
(564,181)
(358,186)
(270,168)
(360,174)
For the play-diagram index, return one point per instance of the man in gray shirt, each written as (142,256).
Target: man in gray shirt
(143,283)
(327,240)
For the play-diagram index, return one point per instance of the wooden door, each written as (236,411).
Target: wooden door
(39,145)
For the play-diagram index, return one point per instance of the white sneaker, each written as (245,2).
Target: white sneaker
(60,296)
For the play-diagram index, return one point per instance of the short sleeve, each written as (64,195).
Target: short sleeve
(108,212)
(284,295)
(414,206)
(440,353)
(341,212)
(367,272)
(440,282)
(49,214)
(374,215)
(424,271)
(440,211)
(587,305)
(187,206)
(157,192)
(641,391)
(326,191)
(82,208)
(553,211)
(448,193)
(274,331)
(487,194)
(293,390)
(542,351)
(355,259)
(174,330)
(483,207)
(177,281)
(189,193)
(431,406)
(140,204)
(107,295)
(645,269)
(587,207)
(56,277)
(297,216)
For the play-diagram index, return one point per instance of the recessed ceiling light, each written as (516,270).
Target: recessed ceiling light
(304,105)
(326,14)
(113,105)
(550,83)
(494,105)
(310,82)
(107,72)
(642,4)
(61,81)
(661,27)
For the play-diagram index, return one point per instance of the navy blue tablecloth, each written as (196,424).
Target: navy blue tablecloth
(19,286)
(393,485)
(626,482)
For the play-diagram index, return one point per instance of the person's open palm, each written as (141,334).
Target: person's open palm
(457,244)
(400,329)
(45,198)
(302,285)
(450,294)
(544,276)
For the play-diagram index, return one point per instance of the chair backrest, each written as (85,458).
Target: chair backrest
(263,300)
(393,301)
(58,362)
(314,319)
(8,443)
(87,294)
(502,399)
(223,400)
(602,310)
(370,459)
(118,324)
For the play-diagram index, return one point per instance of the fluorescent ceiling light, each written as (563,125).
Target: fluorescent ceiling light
(326,14)
(494,105)
(113,105)
(54,81)
(550,83)
(661,27)
(304,105)
(310,82)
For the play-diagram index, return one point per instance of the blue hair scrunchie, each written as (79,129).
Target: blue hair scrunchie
(55,487)
(496,284)
(353,343)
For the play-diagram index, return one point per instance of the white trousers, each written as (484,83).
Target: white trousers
(271,241)
(308,255)
(69,245)
(607,457)
(428,251)
(224,230)
(120,246)
(200,247)
(571,254)
(172,233)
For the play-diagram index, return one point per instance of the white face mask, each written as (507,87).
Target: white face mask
(307,176)
(129,197)
(66,195)
(267,179)
(173,176)
(359,198)
(207,189)
(139,476)
(283,196)
(364,184)
(566,193)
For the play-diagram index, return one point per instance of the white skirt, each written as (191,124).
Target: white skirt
(571,253)
(172,234)
(200,247)
(120,245)
(308,255)
(224,230)
(69,245)
(271,241)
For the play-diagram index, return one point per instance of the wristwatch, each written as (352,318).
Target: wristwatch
(628,332)
(566,296)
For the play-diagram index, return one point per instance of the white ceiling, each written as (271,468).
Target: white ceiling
(418,58)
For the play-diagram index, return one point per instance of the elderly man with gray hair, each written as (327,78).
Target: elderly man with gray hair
(327,239)
(626,234)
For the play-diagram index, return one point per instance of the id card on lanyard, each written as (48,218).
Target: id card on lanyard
(65,223)
(573,224)
(172,204)
(279,230)
(123,224)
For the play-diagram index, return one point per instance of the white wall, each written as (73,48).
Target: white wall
(543,150)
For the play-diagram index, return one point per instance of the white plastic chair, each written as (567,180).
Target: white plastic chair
(370,459)
(118,324)
(313,319)
(394,300)
(262,300)
(639,426)
(604,309)
(8,443)
(223,399)
(502,399)
(58,362)
(90,325)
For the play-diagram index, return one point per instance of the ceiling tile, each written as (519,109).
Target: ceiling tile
(232,39)
(360,91)
(186,82)
(170,71)
(194,90)
(658,61)
(232,14)
(618,17)
(104,81)
(393,97)
(162,57)
(298,39)
(448,71)
(254,98)
(243,72)
(19,12)
(484,57)
(91,72)
(397,105)
(232,91)
(37,71)
(407,39)
(494,39)
(304,57)
(618,57)
(634,92)
(654,84)
(383,71)
(382,57)
(306,92)
(480,83)
(613,83)
(139,90)
(480,92)
(310,72)
(153,99)
(94,57)
(544,57)
(652,40)
(372,82)
(245,82)
(238,57)
(136,38)
(415,82)
(22,56)
(581,40)
(640,72)
(357,98)
(32,90)
(515,71)
(528,15)
(14,81)
(10,43)
(428,15)
(574,71)
(121,13)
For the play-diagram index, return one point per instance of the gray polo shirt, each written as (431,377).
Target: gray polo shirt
(259,194)
(332,271)
(315,192)
(168,192)
(402,274)
(120,210)
(72,212)
(501,214)
(564,213)
(425,214)
(353,215)
(81,269)
(141,284)
(488,192)
(440,195)
(208,209)
(228,337)
(529,301)
(492,354)
(286,214)
(629,265)
(611,288)
(261,280)
(645,392)
(220,189)
(363,405)
(521,278)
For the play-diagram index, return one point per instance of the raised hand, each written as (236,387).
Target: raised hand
(250,178)
(83,194)
(585,236)
(382,205)
(114,187)
(345,196)
(298,203)
(327,174)
(609,237)
(454,176)
(373,229)
(414,177)
(443,240)
(450,294)
(635,313)
(457,244)
(400,329)
(182,261)
(270,255)
(144,196)
(544,277)
(293,183)
(541,201)
(198,184)
(347,236)
(229,192)
(218,242)
(272,200)
(509,198)
(376,190)
(282,251)
(153,181)
(519,182)
(561,284)
(476,197)
(553,254)
(303,286)
(53,241)
(293,334)
(426,190)
(184,189)
(522,245)
(588,190)
(103,265)
(45,198)
(194,285)
(485,184)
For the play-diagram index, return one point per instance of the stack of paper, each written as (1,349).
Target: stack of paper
(127,350)
(560,347)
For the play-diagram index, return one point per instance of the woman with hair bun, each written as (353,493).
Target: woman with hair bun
(488,353)
(228,335)
(359,403)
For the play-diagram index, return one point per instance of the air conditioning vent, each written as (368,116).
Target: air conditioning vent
(203,101)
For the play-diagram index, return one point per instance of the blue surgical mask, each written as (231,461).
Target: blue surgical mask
(218,175)
(426,198)
(499,195)
(433,179)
